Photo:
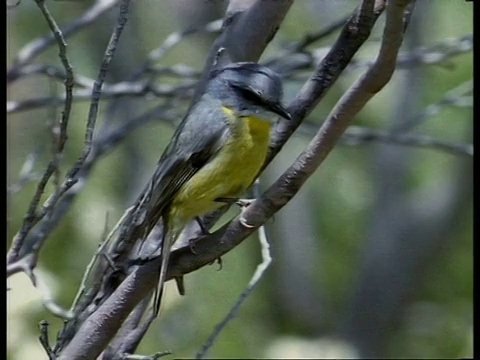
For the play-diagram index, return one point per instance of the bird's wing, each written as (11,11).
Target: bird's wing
(198,138)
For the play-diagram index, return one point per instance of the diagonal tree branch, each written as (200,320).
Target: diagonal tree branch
(354,34)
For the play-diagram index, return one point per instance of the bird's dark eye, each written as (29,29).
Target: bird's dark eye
(250,95)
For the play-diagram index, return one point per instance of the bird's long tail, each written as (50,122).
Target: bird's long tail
(165,254)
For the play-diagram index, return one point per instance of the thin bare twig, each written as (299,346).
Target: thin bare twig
(355,32)
(460,96)
(258,274)
(437,54)
(140,89)
(169,43)
(53,72)
(148,67)
(70,177)
(32,49)
(47,298)
(155,356)
(357,135)
(337,121)
(31,216)
(27,173)
(43,326)
(309,39)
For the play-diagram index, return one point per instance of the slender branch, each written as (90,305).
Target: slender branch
(355,32)
(169,43)
(47,298)
(34,48)
(53,72)
(27,173)
(101,247)
(70,177)
(259,272)
(43,325)
(31,216)
(367,135)
(155,356)
(140,89)
(97,87)
(309,39)
(337,122)
(438,54)
(459,96)
(357,135)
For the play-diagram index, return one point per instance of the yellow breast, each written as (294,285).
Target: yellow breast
(230,173)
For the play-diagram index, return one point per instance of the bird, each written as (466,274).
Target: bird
(216,152)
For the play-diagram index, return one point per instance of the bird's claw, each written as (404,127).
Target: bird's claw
(244,204)
(191,245)
(243,221)
(220,263)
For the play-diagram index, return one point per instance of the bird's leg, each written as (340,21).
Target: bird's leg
(219,262)
(202,226)
(205,232)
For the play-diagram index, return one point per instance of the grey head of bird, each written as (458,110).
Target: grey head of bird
(249,89)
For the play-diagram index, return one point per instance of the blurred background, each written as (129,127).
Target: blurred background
(373,258)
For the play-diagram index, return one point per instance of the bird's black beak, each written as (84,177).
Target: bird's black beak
(280,110)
